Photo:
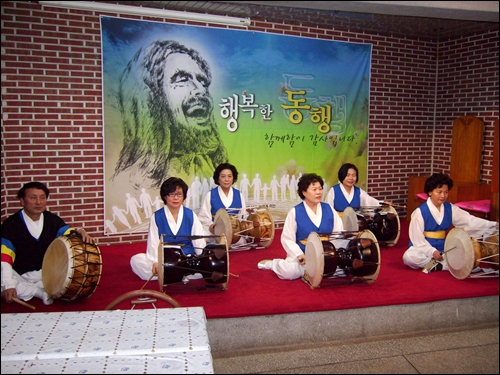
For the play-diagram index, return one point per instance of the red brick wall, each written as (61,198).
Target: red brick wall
(468,85)
(52,126)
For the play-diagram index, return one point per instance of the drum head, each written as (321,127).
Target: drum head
(459,253)
(350,220)
(373,258)
(71,268)
(222,225)
(56,270)
(315,260)
(392,211)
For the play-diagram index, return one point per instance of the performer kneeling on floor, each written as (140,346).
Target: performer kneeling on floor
(26,236)
(172,220)
(311,215)
(430,222)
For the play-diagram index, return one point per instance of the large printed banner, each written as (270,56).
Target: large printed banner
(179,100)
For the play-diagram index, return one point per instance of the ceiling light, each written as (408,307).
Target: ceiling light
(143,11)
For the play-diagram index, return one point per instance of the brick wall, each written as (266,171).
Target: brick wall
(52,127)
(468,85)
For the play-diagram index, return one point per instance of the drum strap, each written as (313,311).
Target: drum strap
(439,234)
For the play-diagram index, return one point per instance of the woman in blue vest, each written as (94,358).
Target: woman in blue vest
(311,215)
(223,196)
(431,221)
(347,194)
(176,223)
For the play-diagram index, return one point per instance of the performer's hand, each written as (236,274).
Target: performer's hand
(301,259)
(155,269)
(437,255)
(9,294)
(211,228)
(85,236)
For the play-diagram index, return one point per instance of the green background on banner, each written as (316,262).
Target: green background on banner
(263,73)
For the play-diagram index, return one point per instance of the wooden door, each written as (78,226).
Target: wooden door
(466,149)
(494,214)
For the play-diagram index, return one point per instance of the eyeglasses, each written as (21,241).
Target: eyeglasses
(173,195)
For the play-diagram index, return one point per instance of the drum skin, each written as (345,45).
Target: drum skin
(350,220)
(71,268)
(223,226)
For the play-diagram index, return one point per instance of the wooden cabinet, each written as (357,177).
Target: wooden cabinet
(415,186)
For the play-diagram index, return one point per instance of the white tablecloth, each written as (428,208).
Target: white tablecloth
(171,340)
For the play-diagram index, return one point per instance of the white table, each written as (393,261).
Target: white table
(170,340)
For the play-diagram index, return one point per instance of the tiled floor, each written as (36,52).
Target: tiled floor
(473,351)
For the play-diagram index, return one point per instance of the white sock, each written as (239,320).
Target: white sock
(266,265)
(44,296)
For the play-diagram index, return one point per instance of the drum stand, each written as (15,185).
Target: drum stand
(143,296)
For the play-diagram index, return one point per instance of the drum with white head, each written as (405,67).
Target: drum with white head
(360,260)
(71,268)
(256,227)
(212,264)
(464,253)
(383,223)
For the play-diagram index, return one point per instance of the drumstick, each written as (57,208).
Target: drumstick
(393,205)
(15,299)
(148,281)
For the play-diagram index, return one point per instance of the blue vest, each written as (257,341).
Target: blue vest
(430,224)
(183,233)
(340,202)
(305,226)
(216,202)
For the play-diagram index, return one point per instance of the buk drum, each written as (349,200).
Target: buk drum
(212,264)
(384,224)
(463,253)
(257,227)
(71,268)
(361,258)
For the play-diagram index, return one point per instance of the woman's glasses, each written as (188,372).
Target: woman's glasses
(173,195)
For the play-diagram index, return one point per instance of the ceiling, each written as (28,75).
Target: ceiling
(425,20)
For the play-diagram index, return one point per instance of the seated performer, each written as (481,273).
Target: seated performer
(26,236)
(347,194)
(311,215)
(431,221)
(223,196)
(172,220)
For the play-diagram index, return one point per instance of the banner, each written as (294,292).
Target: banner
(179,100)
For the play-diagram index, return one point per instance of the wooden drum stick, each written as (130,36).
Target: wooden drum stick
(15,299)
